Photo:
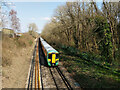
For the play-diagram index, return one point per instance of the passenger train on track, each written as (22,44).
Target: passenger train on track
(50,53)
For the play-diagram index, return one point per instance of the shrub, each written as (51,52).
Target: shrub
(6,61)
(30,42)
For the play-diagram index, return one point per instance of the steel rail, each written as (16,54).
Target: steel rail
(31,70)
(53,79)
(35,63)
(37,71)
(64,79)
(32,74)
(40,49)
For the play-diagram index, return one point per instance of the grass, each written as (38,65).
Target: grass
(12,45)
(30,42)
(90,71)
(6,61)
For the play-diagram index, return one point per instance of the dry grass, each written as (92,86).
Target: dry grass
(12,45)
(16,57)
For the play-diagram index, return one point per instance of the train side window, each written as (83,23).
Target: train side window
(50,56)
(57,56)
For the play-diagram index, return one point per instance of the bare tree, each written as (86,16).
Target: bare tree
(84,26)
(15,22)
(4,18)
(0,16)
(32,28)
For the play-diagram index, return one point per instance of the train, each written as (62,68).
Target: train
(51,55)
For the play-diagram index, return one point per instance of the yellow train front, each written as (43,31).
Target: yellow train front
(52,56)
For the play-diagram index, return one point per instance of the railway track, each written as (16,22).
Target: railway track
(62,78)
(31,70)
(41,76)
(34,79)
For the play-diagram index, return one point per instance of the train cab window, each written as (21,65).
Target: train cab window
(50,56)
(57,56)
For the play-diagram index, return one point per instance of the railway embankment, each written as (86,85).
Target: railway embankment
(90,70)
(16,56)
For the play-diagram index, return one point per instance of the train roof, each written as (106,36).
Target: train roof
(47,46)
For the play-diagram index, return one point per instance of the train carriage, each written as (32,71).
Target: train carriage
(50,53)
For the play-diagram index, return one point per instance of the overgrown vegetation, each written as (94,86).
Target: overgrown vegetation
(90,70)
(85,26)
(89,38)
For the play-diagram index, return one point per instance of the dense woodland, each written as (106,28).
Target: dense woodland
(91,27)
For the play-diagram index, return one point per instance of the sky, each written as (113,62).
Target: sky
(39,13)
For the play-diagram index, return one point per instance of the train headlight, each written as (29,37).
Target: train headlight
(49,60)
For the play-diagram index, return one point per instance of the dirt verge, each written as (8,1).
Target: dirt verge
(16,57)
